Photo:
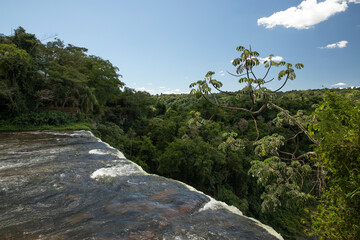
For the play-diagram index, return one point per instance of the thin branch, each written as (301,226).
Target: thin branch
(312,189)
(287,77)
(261,108)
(269,80)
(305,154)
(302,178)
(253,74)
(237,108)
(296,122)
(294,136)
(225,92)
(258,85)
(297,145)
(226,107)
(251,91)
(213,114)
(267,71)
(236,75)
(222,106)
(286,153)
(296,158)
(256,127)
(217,102)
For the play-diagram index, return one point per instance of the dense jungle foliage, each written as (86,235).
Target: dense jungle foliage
(226,153)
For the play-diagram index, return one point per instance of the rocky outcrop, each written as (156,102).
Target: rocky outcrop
(70,185)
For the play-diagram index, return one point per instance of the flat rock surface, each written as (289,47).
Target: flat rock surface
(70,185)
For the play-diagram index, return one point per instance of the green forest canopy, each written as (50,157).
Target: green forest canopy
(225,153)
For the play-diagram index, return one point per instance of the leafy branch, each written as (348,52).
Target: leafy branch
(290,168)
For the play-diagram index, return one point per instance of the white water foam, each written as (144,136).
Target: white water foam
(124,167)
(119,154)
(214,205)
(119,170)
(107,152)
(189,236)
(64,133)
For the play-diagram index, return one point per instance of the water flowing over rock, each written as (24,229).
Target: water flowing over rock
(70,185)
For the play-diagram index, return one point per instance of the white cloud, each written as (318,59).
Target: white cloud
(339,84)
(161,90)
(221,73)
(340,44)
(274,58)
(143,89)
(175,92)
(307,14)
(262,60)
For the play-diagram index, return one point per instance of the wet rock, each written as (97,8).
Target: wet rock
(70,185)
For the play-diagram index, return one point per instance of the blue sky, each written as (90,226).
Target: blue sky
(161,46)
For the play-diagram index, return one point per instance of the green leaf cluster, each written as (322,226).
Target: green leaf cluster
(34,75)
(337,125)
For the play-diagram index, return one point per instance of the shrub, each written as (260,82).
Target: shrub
(53,118)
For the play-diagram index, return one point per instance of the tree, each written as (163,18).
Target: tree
(147,155)
(104,78)
(14,66)
(64,72)
(192,161)
(291,168)
(25,41)
(337,126)
(326,163)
